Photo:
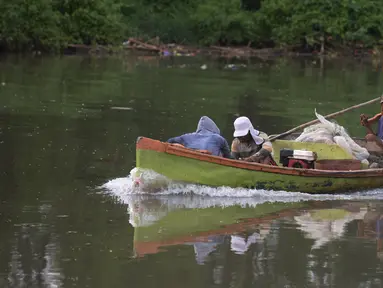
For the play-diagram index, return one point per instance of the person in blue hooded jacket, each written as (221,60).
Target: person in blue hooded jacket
(207,137)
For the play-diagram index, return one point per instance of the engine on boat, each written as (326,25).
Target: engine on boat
(297,158)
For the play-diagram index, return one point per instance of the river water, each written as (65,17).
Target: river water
(68,215)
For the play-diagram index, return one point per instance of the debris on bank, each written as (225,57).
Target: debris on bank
(155,46)
(172,49)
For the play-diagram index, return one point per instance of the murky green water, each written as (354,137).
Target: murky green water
(61,137)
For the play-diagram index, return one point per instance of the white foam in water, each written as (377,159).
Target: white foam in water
(147,182)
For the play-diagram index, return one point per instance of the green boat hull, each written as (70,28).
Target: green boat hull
(189,170)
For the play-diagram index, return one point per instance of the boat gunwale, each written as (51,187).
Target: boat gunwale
(144,143)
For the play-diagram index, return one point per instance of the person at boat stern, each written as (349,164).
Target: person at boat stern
(207,137)
(366,122)
(250,144)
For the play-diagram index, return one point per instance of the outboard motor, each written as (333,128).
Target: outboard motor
(297,158)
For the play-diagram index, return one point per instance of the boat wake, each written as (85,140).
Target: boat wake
(149,183)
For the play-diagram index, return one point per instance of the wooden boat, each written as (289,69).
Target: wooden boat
(190,166)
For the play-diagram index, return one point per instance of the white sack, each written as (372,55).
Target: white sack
(332,133)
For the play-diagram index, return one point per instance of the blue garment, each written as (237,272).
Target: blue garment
(203,249)
(207,137)
(380,128)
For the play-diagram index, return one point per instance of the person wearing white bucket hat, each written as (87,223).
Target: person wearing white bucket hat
(250,144)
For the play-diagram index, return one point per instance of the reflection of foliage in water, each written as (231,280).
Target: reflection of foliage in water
(34,260)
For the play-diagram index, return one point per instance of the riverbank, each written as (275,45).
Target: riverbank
(134,46)
(154,47)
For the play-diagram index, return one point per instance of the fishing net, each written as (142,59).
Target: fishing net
(332,133)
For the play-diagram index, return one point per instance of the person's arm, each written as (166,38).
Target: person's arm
(266,143)
(267,146)
(365,121)
(374,119)
(265,150)
(261,154)
(234,150)
(225,150)
(176,140)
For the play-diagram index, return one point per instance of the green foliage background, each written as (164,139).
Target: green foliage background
(51,24)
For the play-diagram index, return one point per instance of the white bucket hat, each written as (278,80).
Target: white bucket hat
(243,126)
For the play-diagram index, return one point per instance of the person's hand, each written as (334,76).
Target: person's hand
(255,158)
(363,120)
(258,156)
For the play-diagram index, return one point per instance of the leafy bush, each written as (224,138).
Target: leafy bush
(317,21)
(51,24)
(90,22)
(222,21)
(29,24)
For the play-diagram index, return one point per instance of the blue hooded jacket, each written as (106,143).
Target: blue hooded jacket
(207,137)
(380,128)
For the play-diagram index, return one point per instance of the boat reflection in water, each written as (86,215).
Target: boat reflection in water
(205,224)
